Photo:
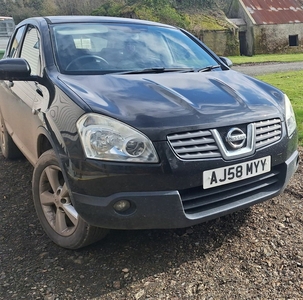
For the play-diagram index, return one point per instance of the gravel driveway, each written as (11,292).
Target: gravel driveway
(261,69)
(256,253)
(253,254)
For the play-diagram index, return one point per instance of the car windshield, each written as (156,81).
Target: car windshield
(86,48)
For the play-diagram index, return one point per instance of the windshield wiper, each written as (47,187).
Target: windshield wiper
(164,70)
(157,70)
(208,68)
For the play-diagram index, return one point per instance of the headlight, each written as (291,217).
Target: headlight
(289,116)
(105,138)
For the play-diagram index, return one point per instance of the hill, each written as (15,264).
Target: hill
(204,18)
(193,15)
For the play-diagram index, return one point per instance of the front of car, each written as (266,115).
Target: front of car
(172,136)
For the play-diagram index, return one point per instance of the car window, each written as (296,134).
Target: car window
(108,47)
(31,50)
(182,53)
(16,42)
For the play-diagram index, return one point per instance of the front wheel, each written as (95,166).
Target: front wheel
(54,208)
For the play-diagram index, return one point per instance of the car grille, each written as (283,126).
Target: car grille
(200,144)
(197,200)
(267,132)
(194,145)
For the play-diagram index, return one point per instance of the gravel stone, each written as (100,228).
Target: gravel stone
(255,69)
(256,253)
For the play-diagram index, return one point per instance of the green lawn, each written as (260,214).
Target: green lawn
(290,83)
(266,58)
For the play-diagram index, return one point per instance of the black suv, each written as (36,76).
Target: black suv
(132,124)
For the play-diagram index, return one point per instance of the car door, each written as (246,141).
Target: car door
(7,97)
(25,96)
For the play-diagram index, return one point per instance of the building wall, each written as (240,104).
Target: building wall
(223,42)
(267,38)
(242,13)
(275,38)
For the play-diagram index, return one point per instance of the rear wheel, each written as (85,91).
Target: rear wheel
(7,145)
(55,210)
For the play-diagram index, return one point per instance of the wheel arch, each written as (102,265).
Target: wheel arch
(45,143)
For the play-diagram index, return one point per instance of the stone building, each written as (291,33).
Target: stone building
(268,26)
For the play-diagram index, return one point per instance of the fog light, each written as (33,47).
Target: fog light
(121,205)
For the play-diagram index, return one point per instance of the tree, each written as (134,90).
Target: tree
(5,8)
(77,7)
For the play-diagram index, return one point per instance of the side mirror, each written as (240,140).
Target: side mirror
(16,69)
(226,61)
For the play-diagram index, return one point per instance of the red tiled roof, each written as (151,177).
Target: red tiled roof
(275,11)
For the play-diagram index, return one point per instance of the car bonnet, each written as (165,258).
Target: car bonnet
(159,103)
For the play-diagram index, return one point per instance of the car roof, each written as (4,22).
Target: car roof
(96,19)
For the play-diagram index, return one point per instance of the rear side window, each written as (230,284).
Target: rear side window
(31,50)
(16,42)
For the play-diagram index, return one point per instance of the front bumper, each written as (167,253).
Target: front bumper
(185,207)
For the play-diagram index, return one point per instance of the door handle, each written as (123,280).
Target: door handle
(10,84)
(39,92)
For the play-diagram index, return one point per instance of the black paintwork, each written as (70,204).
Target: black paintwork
(157,104)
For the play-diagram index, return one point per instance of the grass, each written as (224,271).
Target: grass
(291,83)
(266,58)
(1,53)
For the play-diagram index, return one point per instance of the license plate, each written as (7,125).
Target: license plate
(226,175)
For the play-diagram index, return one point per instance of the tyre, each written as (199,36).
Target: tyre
(54,208)
(7,145)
